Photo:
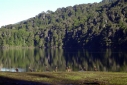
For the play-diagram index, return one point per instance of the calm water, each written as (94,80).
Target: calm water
(43,59)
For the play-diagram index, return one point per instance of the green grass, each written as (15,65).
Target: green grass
(62,78)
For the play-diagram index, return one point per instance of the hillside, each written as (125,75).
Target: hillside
(101,24)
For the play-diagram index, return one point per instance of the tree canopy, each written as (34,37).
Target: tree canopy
(101,24)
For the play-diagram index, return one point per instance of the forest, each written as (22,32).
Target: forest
(89,25)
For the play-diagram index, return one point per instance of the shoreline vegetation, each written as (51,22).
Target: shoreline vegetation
(64,78)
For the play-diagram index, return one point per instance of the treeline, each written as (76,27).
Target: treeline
(101,24)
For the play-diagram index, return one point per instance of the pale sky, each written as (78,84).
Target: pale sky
(13,11)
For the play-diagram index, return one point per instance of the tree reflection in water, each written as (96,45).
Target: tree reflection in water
(77,59)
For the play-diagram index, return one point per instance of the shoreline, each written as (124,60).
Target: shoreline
(64,78)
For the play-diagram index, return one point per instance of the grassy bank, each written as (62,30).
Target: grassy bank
(64,78)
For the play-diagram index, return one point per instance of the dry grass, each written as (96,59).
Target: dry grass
(64,78)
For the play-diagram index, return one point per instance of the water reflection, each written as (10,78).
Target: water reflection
(13,69)
(76,59)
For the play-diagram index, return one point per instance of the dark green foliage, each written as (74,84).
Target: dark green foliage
(101,24)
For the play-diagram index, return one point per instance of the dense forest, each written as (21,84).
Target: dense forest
(93,25)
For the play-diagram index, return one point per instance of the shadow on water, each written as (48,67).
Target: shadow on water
(10,81)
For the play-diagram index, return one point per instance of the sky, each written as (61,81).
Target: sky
(13,11)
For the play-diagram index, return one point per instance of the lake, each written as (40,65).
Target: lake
(113,60)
